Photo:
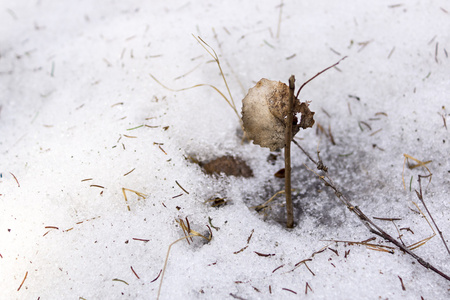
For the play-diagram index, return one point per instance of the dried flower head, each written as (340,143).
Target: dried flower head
(265,110)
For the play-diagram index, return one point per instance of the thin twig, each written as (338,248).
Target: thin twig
(287,155)
(134,272)
(18,184)
(324,70)
(194,86)
(192,234)
(420,196)
(244,91)
(260,207)
(26,274)
(371,226)
(181,187)
(216,58)
(165,262)
(279,19)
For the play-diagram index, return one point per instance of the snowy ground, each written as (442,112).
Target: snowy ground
(75,85)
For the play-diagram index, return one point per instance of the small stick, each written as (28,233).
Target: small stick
(335,52)
(436,52)
(244,91)
(285,289)
(371,226)
(181,187)
(324,70)
(291,57)
(118,103)
(18,184)
(120,280)
(136,127)
(250,236)
(375,132)
(331,135)
(309,269)
(156,276)
(129,172)
(419,164)
(216,58)
(96,185)
(162,150)
(407,229)
(263,255)
(334,251)
(420,196)
(287,156)
(279,19)
(142,240)
(140,195)
(277,268)
(239,251)
(192,233)
(26,274)
(390,53)
(387,219)
(134,272)
(265,204)
(401,281)
(325,112)
(363,45)
(443,119)
(364,243)
(364,123)
(52,227)
(369,240)
(307,287)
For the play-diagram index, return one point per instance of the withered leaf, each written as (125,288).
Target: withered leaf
(228,165)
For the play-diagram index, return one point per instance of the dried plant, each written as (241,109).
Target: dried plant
(188,234)
(269,115)
(210,50)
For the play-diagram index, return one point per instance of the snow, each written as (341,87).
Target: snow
(75,85)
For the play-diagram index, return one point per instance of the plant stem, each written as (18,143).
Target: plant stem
(371,226)
(287,156)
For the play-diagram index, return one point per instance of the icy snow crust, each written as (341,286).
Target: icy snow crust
(75,80)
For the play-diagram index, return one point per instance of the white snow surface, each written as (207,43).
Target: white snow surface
(75,85)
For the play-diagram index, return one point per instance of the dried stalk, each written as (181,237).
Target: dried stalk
(324,70)
(420,196)
(287,156)
(188,233)
(288,139)
(371,226)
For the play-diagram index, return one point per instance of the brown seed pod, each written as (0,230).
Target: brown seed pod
(265,110)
